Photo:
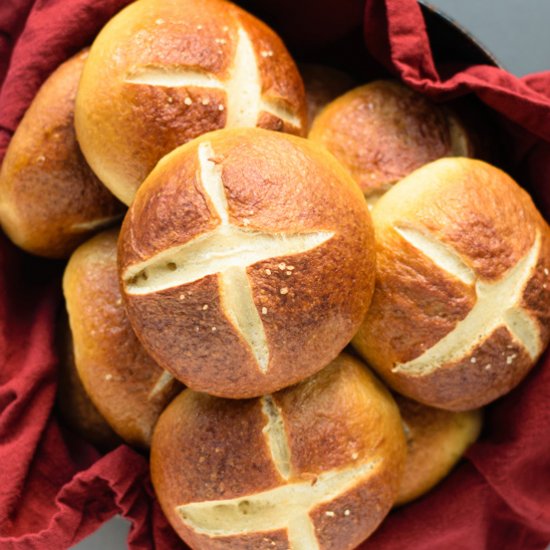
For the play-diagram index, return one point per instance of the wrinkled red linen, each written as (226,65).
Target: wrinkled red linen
(55,489)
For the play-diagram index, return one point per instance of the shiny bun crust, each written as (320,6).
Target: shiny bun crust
(50,200)
(163,72)
(314,466)
(383,131)
(128,388)
(436,441)
(461,308)
(246,261)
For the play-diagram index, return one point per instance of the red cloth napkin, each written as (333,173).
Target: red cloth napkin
(55,489)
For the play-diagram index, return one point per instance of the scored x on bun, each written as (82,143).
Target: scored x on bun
(161,73)
(461,307)
(314,466)
(246,261)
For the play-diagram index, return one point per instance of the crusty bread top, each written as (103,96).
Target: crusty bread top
(246,261)
(461,306)
(50,200)
(161,73)
(314,466)
(383,131)
(125,384)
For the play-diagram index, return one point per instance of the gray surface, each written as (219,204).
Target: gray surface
(110,536)
(516,32)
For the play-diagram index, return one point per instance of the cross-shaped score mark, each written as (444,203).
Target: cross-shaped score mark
(498,304)
(285,507)
(227,251)
(244,101)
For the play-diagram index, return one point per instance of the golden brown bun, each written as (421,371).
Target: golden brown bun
(125,384)
(436,440)
(76,407)
(212,66)
(461,308)
(322,84)
(382,131)
(50,200)
(317,465)
(246,261)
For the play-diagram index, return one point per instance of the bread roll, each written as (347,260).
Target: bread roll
(323,84)
(436,440)
(163,72)
(315,466)
(50,201)
(74,404)
(246,261)
(461,307)
(128,388)
(383,131)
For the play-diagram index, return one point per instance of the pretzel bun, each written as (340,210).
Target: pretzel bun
(436,440)
(50,201)
(163,72)
(323,84)
(383,131)
(246,261)
(128,388)
(314,466)
(461,308)
(76,408)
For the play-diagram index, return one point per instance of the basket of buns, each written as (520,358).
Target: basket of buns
(274,275)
